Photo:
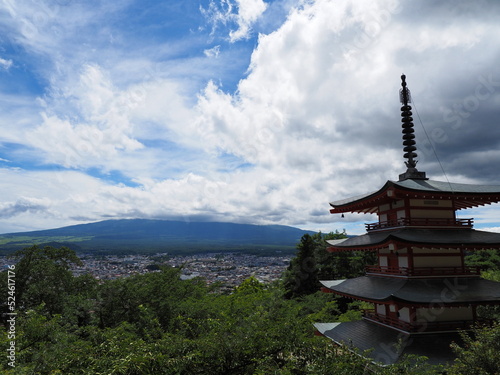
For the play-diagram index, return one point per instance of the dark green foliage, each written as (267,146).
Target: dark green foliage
(341,265)
(346,264)
(301,277)
(485,259)
(313,263)
(489,312)
(43,276)
(159,324)
(480,353)
(160,292)
(489,263)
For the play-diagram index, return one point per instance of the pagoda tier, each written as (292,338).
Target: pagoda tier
(419,305)
(417,237)
(423,194)
(417,253)
(449,291)
(386,345)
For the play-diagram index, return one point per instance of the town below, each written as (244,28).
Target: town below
(229,269)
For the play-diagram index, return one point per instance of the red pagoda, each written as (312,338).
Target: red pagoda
(421,291)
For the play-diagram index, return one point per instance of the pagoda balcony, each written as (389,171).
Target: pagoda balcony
(423,271)
(416,326)
(419,222)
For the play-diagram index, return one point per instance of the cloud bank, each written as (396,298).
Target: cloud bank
(147,127)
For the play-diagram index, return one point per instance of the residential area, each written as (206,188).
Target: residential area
(227,268)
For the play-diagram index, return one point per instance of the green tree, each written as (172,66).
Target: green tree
(325,261)
(43,276)
(480,352)
(250,286)
(301,276)
(159,324)
(339,265)
(485,259)
(493,275)
(162,293)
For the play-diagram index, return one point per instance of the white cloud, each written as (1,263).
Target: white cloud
(43,26)
(95,131)
(322,93)
(249,12)
(243,13)
(61,198)
(89,122)
(32,205)
(292,109)
(212,52)
(5,63)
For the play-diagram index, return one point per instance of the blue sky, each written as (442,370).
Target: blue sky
(248,111)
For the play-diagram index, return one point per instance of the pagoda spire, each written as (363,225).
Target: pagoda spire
(408,135)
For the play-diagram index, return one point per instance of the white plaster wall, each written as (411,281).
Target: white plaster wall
(419,250)
(380,309)
(444,314)
(404,314)
(437,261)
(384,207)
(431,214)
(403,261)
(430,203)
(402,250)
(383,261)
(399,203)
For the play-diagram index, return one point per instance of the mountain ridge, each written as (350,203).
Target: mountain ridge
(149,235)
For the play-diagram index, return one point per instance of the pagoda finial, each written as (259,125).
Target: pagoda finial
(408,135)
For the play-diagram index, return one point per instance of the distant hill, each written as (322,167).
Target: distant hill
(152,236)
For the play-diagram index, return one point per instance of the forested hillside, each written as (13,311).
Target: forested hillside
(159,324)
(152,236)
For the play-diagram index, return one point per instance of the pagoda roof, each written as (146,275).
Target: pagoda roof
(455,291)
(470,238)
(381,343)
(463,195)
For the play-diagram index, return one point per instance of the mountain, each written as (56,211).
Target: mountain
(151,236)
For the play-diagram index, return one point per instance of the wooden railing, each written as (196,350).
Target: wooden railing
(404,222)
(424,271)
(417,326)
(390,321)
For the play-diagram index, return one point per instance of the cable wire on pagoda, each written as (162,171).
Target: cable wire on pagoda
(432,146)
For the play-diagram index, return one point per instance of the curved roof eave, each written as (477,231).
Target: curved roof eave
(361,203)
(418,291)
(447,187)
(471,238)
(359,198)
